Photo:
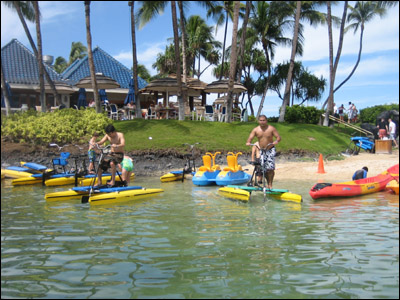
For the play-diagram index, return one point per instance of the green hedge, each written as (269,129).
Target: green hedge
(302,114)
(61,126)
(369,114)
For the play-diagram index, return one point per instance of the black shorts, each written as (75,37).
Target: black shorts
(115,157)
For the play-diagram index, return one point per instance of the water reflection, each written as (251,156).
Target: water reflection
(190,242)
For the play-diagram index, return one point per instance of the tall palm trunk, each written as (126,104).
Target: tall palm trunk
(35,51)
(90,56)
(178,62)
(135,63)
(329,109)
(184,66)
(223,47)
(40,57)
(286,97)
(234,54)
(5,93)
(331,69)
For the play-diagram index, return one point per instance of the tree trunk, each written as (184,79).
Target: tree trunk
(39,57)
(35,51)
(178,62)
(90,56)
(5,93)
(331,70)
(135,63)
(286,97)
(233,62)
(184,66)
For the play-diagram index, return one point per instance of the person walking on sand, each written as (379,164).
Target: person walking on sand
(117,141)
(92,152)
(392,131)
(265,134)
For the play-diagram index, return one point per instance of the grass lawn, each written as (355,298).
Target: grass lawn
(216,136)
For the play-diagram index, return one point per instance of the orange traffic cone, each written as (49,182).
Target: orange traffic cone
(321,165)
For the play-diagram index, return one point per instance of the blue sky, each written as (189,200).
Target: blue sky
(376,81)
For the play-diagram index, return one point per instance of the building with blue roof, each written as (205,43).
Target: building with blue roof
(21,73)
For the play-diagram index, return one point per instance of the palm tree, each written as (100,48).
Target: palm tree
(333,68)
(221,14)
(60,64)
(267,25)
(201,43)
(5,93)
(90,57)
(135,63)
(24,10)
(178,62)
(234,55)
(78,51)
(361,13)
(286,97)
(40,56)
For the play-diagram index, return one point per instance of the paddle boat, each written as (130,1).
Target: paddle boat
(233,174)
(208,172)
(354,188)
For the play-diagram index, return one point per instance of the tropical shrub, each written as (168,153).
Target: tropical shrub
(303,114)
(61,126)
(369,114)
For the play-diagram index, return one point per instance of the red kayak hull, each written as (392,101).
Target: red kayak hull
(352,188)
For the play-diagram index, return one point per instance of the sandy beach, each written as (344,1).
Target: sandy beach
(336,170)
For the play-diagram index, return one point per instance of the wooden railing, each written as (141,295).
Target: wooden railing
(361,130)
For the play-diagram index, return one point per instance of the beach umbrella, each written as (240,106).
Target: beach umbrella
(103,95)
(221,86)
(82,98)
(131,93)
(103,82)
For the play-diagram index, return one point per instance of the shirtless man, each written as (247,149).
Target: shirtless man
(116,155)
(265,134)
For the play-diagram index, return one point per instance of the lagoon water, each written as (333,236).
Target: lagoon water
(190,242)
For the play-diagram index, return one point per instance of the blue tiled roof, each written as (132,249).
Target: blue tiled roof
(104,63)
(20,65)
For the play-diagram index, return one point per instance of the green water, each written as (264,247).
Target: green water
(189,242)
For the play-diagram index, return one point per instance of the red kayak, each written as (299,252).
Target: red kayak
(354,188)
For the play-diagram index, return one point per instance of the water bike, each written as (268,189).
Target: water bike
(26,169)
(243,193)
(189,168)
(121,193)
(208,172)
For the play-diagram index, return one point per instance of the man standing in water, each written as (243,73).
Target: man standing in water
(265,134)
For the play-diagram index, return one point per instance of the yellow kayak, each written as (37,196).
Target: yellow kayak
(118,197)
(394,186)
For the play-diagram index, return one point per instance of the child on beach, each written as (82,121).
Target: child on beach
(92,152)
